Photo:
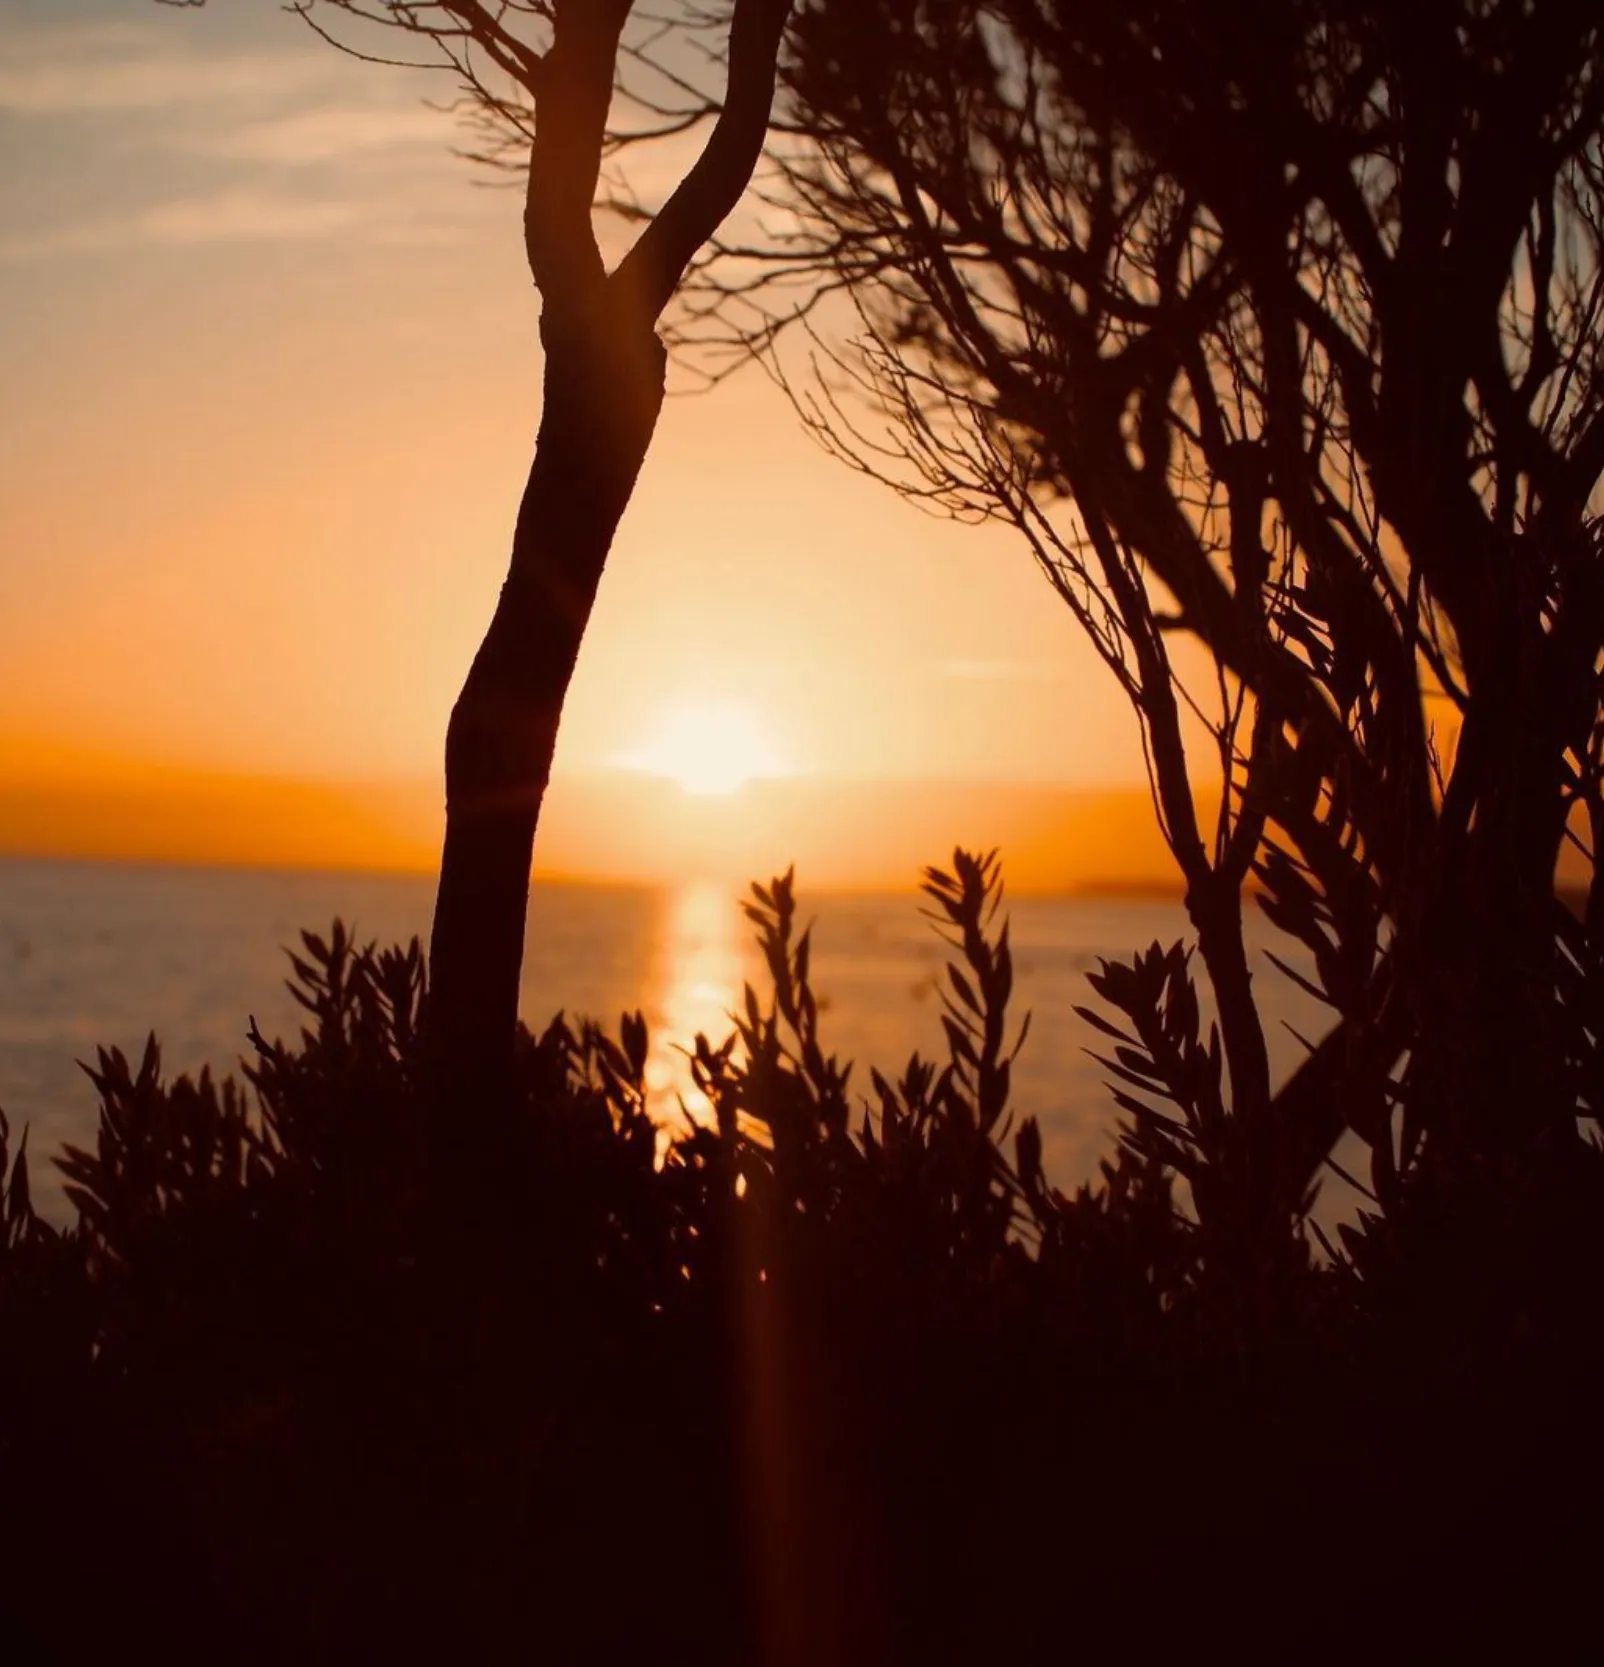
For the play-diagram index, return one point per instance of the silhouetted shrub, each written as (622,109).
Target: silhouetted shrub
(335,1367)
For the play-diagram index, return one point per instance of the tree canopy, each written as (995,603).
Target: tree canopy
(1275,330)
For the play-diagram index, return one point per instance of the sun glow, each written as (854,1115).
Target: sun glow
(710,747)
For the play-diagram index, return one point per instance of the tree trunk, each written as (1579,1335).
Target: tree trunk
(1489,1062)
(1215,907)
(603,391)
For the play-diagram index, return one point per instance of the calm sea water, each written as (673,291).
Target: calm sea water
(100,955)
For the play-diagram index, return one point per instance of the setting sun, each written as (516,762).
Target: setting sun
(710,747)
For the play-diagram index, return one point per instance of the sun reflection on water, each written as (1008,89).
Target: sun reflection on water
(696,981)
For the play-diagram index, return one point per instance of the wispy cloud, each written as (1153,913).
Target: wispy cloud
(111,68)
(244,217)
(269,139)
(324,135)
(230,216)
(288,106)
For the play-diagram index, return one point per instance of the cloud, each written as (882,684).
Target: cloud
(325,135)
(228,216)
(126,68)
(252,127)
(243,217)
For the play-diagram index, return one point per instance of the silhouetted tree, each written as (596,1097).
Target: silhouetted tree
(561,87)
(1275,329)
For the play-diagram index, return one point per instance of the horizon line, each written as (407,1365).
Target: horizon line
(1093,886)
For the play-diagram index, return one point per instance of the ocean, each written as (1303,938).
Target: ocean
(100,955)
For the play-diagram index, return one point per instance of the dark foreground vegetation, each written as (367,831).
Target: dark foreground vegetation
(318,1378)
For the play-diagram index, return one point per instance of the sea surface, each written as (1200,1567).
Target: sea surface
(100,955)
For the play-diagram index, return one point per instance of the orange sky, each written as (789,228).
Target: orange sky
(271,379)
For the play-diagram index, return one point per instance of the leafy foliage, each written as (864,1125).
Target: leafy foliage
(324,1375)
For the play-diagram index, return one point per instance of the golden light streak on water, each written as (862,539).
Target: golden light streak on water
(698,971)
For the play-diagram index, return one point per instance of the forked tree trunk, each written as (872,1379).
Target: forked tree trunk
(603,390)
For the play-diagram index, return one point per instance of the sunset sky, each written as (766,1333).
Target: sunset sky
(270,381)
